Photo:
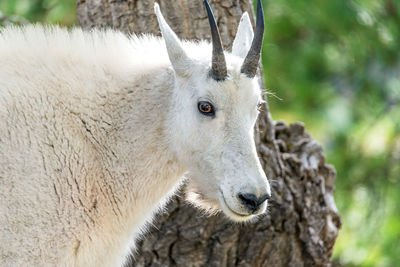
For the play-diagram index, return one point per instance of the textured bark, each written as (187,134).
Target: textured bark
(302,223)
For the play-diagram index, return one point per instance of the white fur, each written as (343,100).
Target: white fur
(96,133)
(244,37)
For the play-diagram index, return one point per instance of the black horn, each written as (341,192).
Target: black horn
(218,65)
(252,59)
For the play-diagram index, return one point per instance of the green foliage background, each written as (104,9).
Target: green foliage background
(334,65)
(61,12)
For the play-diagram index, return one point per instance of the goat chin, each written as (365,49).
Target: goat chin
(213,206)
(208,205)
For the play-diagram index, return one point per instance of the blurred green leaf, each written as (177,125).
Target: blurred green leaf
(45,11)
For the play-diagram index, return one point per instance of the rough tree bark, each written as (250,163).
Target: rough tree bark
(302,223)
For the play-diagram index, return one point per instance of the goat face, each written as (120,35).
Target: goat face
(212,128)
(218,146)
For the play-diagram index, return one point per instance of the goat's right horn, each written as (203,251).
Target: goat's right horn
(218,65)
(252,59)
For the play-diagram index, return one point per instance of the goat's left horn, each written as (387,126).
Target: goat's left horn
(218,65)
(252,59)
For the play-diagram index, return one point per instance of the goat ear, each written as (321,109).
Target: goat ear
(177,55)
(244,37)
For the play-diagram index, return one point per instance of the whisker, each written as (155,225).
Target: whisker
(267,92)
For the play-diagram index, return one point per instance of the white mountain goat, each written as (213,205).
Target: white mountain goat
(97,131)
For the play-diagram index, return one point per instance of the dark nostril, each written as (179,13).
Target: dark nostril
(252,202)
(249,200)
(263,198)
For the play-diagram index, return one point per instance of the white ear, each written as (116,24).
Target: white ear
(244,37)
(177,55)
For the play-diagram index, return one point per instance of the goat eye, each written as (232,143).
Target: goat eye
(259,106)
(206,108)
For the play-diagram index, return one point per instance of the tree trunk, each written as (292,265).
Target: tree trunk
(302,223)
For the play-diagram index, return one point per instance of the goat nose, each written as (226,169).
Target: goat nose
(252,202)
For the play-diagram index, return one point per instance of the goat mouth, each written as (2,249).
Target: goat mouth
(231,213)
